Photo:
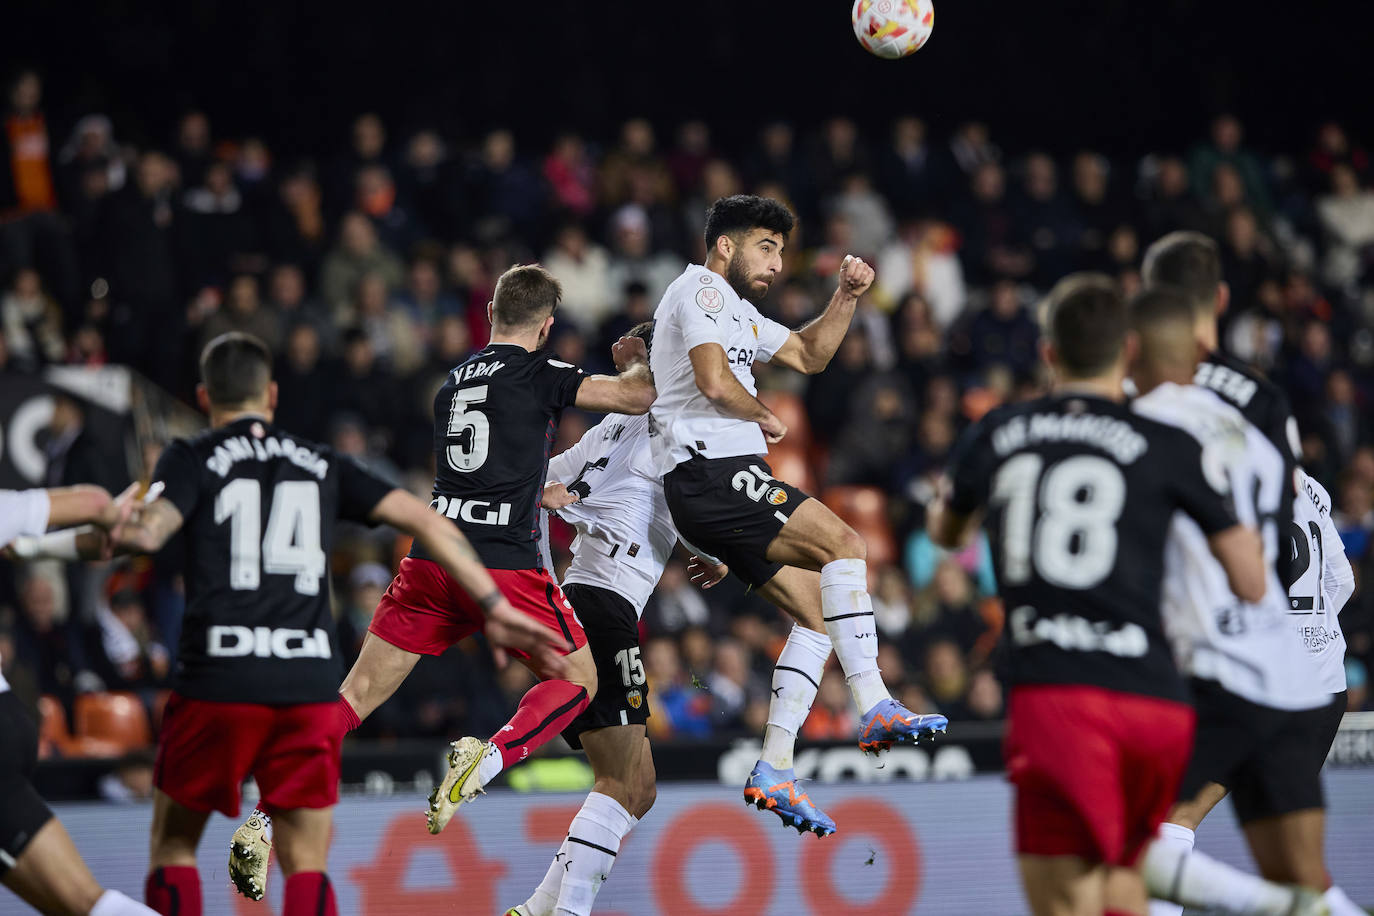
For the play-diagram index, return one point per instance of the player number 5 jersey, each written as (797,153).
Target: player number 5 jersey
(700,308)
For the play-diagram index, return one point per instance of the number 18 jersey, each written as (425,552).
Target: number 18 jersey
(495,420)
(1079,494)
(258,507)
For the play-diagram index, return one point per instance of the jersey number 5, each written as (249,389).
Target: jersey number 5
(469,430)
(1073,544)
(291,544)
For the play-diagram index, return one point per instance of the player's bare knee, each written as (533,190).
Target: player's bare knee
(848,545)
(582,672)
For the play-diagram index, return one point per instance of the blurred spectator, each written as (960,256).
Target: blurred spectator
(1225,149)
(1354,514)
(395,336)
(583,268)
(947,609)
(1046,221)
(676,604)
(1169,200)
(1346,426)
(1099,212)
(90,150)
(947,679)
(878,425)
(192,148)
(359,252)
(633,257)
(368,147)
(838,154)
(1002,334)
(1333,148)
(364,387)
(908,171)
(427,181)
(683,708)
(424,295)
(1246,257)
(47,648)
(504,192)
(993,247)
(687,159)
(126,654)
(396,228)
(892,602)
(571,175)
(366,585)
(829,395)
(970,148)
(31,323)
(218,232)
(867,212)
(286,296)
(731,683)
(984,700)
(305,383)
(295,222)
(1347,218)
(243,311)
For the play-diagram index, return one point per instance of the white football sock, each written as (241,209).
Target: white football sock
(1174,871)
(1340,904)
(796,678)
(113,903)
(593,841)
(1178,837)
(492,764)
(849,620)
(545,896)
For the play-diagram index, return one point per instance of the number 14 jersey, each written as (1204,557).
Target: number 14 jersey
(1079,493)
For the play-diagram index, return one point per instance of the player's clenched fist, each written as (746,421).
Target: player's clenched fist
(773,429)
(855,276)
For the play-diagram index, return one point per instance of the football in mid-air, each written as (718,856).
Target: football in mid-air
(893,28)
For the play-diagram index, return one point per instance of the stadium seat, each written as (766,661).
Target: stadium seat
(115,719)
(865,510)
(789,408)
(791,465)
(53,737)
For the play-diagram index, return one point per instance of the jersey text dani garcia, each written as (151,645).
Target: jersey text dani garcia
(495,420)
(258,508)
(1079,493)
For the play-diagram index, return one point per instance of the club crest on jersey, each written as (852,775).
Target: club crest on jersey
(755,329)
(710,300)
(634,697)
(777,496)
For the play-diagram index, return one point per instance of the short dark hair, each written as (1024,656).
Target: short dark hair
(1160,305)
(742,212)
(1188,261)
(1085,319)
(235,368)
(645,332)
(525,295)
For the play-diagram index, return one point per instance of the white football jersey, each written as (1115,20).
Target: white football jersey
(21,512)
(1324,581)
(699,308)
(1247,648)
(625,534)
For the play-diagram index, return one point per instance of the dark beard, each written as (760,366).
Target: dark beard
(739,281)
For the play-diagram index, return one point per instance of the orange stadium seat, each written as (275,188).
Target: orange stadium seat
(117,719)
(865,510)
(54,739)
(791,465)
(789,409)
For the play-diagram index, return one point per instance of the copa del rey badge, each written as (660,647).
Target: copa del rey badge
(710,299)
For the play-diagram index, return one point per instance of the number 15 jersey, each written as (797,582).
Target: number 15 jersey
(1079,494)
(495,420)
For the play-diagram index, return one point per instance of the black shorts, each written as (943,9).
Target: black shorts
(732,508)
(1270,760)
(22,812)
(622,691)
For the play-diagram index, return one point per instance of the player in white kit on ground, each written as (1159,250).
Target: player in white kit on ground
(710,434)
(1250,678)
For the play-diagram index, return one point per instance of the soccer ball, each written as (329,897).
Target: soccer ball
(893,28)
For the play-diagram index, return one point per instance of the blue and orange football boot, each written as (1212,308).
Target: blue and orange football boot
(891,723)
(777,791)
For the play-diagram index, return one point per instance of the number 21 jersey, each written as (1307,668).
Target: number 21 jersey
(1079,493)
(495,420)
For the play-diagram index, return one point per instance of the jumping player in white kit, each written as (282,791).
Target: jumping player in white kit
(710,434)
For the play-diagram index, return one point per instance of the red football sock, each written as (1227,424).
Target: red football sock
(173,890)
(309,893)
(347,714)
(544,711)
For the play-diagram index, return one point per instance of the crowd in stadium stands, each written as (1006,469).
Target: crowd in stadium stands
(368,272)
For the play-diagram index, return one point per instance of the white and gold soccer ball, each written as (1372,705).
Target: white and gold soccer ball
(893,28)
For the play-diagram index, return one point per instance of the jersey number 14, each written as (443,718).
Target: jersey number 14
(291,544)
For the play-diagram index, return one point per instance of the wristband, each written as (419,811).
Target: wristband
(491,599)
(59,545)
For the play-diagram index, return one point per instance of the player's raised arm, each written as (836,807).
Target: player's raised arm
(811,348)
(450,549)
(631,392)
